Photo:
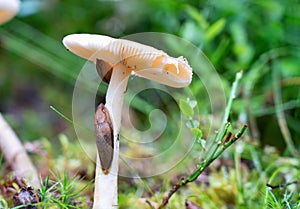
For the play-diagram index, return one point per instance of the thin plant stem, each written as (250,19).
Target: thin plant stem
(202,166)
(232,96)
(237,159)
(225,124)
(138,177)
(214,156)
(280,114)
(62,115)
(221,142)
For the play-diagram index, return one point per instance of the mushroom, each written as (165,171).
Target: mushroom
(122,58)
(11,146)
(15,154)
(8,9)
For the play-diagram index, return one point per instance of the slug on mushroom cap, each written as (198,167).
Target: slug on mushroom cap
(142,60)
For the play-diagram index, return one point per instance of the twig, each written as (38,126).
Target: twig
(15,154)
(171,192)
(202,166)
(282,185)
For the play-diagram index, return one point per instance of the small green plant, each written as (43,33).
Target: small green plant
(222,140)
(3,203)
(62,193)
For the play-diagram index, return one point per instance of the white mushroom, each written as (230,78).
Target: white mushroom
(8,9)
(11,146)
(126,58)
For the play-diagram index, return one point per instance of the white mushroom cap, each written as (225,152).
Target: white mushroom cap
(141,60)
(8,9)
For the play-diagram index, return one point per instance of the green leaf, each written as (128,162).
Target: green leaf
(185,108)
(197,16)
(196,132)
(215,29)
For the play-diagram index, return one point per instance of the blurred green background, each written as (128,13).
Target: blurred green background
(258,37)
(261,38)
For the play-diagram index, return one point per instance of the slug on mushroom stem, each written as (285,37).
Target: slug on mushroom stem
(122,58)
(104,137)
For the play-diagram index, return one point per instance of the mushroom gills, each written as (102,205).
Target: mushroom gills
(104,138)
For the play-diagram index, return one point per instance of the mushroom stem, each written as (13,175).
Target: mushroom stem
(106,187)
(15,154)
